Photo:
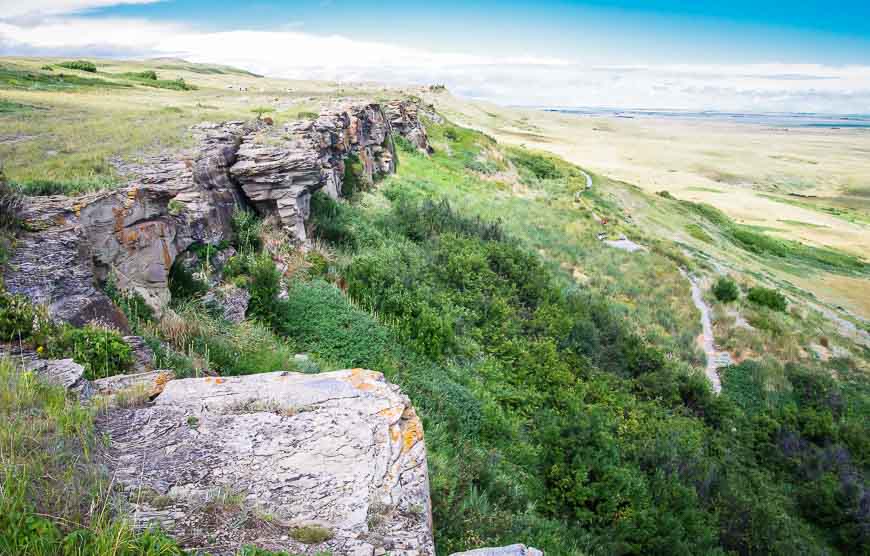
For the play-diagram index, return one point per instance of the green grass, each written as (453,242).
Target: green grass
(791,254)
(698,233)
(31,80)
(54,498)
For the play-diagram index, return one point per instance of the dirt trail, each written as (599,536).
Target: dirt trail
(715,359)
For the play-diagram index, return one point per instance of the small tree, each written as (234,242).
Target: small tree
(726,290)
(260,110)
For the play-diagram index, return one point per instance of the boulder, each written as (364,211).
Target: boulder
(231,301)
(331,462)
(511,550)
(61,372)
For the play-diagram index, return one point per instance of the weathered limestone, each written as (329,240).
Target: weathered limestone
(279,170)
(60,372)
(135,233)
(404,118)
(232,302)
(132,234)
(342,451)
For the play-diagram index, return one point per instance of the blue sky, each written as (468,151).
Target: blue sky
(737,31)
(749,55)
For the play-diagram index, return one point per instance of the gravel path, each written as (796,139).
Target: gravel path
(715,359)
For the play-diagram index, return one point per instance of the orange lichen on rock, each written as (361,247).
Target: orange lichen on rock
(392,413)
(413,432)
(361,379)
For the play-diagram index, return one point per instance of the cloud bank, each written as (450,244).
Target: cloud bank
(527,80)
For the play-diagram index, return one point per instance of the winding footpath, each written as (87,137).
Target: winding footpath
(715,359)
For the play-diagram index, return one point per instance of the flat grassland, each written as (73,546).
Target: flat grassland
(810,185)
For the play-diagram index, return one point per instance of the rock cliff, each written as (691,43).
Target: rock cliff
(134,234)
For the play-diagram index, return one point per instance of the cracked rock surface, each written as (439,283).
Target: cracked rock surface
(261,459)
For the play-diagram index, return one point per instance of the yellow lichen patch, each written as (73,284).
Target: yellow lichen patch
(130,236)
(392,413)
(160,383)
(77,209)
(132,193)
(219,381)
(413,432)
(59,220)
(395,433)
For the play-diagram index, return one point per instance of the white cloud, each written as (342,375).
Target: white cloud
(34,8)
(528,80)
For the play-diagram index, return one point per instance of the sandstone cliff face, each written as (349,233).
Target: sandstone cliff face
(135,233)
(259,459)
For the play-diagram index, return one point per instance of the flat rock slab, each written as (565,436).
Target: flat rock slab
(625,245)
(260,458)
(511,550)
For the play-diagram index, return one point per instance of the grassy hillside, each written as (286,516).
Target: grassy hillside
(558,377)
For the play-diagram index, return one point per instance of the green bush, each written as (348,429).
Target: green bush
(247,227)
(17,318)
(767,298)
(726,290)
(183,285)
(264,286)
(537,165)
(102,352)
(10,204)
(81,65)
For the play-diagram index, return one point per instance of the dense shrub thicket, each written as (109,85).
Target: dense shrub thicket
(767,298)
(81,65)
(547,419)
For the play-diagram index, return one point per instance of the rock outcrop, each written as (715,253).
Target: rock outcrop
(279,170)
(134,234)
(333,462)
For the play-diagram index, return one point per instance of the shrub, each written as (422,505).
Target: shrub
(183,285)
(10,204)
(260,110)
(311,534)
(81,65)
(665,195)
(102,352)
(538,165)
(306,115)
(726,290)
(246,231)
(264,285)
(767,298)
(404,145)
(17,318)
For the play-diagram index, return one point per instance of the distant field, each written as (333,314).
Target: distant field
(807,184)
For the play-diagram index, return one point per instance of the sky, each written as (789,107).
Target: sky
(738,55)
